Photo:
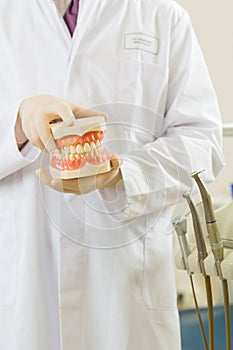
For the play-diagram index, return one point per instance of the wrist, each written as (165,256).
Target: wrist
(21,138)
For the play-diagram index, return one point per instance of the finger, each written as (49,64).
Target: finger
(31,132)
(67,186)
(85,112)
(57,185)
(74,107)
(115,163)
(61,109)
(78,186)
(34,138)
(37,143)
(44,134)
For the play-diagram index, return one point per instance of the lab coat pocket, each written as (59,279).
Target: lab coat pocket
(143,84)
(158,289)
(8,258)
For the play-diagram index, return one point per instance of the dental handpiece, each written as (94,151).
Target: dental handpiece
(201,246)
(180,228)
(211,223)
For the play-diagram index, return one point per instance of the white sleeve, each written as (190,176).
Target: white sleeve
(156,175)
(12,159)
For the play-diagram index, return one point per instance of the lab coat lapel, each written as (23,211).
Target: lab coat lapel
(55,19)
(88,13)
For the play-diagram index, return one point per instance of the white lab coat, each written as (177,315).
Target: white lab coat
(95,272)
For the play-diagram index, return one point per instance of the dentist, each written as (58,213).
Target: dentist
(94,271)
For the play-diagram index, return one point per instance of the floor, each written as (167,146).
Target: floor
(191,335)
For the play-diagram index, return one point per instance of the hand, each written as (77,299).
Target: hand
(35,114)
(83,185)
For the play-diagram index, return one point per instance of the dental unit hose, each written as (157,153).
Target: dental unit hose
(202,254)
(217,249)
(180,228)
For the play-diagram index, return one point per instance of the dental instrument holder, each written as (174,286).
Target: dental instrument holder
(181,230)
(209,261)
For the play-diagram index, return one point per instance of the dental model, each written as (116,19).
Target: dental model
(79,149)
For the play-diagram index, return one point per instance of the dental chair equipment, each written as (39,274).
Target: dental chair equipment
(212,255)
(181,230)
(217,250)
(202,254)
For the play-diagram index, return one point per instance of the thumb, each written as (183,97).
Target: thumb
(81,112)
(115,163)
(64,111)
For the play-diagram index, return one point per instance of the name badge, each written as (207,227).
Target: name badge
(140,41)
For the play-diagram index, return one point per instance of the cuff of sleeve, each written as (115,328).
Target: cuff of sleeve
(115,202)
(136,189)
(135,179)
(130,202)
(30,152)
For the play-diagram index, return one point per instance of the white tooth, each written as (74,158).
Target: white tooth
(67,156)
(96,151)
(77,156)
(79,149)
(93,145)
(72,149)
(72,156)
(87,148)
(66,150)
(56,153)
(97,143)
(63,152)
